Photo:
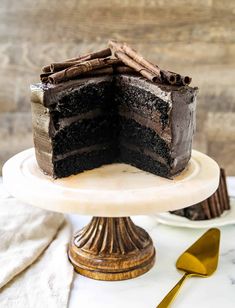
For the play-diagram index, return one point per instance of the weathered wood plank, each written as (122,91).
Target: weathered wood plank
(195,37)
(153,23)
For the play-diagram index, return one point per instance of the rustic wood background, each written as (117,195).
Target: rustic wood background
(196,37)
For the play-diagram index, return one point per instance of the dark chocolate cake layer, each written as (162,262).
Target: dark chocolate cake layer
(86,159)
(84,133)
(83,124)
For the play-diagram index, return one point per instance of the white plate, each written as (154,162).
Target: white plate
(227,218)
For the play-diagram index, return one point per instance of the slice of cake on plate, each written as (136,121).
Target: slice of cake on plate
(212,207)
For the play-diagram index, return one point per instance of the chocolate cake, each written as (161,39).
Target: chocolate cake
(111,116)
(212,207)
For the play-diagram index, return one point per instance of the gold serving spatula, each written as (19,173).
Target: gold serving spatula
(201,259)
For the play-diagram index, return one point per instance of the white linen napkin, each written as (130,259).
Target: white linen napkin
(34,268)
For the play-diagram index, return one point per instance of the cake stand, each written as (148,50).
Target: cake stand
(111,246)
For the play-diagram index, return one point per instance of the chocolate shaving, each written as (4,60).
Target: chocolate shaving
(99,54)
(168,77)
(59,66)
(186,80)
(134,63)
(80,69)
(134,55)
(156,73)
(133,60)
(44,77)
(115,46)
(122,69)
(181,80)
(100,71)
(70,62)
(140,59)
(46,69)
(136,66)
(162,75)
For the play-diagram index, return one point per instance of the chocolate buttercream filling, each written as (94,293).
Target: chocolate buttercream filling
(84,150)
(151,120)
(98,147)
(153,155)
(63,122)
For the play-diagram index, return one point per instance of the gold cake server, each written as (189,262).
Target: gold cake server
(201,259)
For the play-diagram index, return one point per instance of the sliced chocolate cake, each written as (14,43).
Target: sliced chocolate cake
(212,207)
(110,116)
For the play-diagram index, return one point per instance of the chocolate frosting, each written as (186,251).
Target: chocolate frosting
(177,133)
(63,122)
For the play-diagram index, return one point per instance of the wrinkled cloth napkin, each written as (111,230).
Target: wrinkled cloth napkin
(34,268)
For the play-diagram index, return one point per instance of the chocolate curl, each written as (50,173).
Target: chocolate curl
(44,77)
(115,46)
(186,80)
(59,66)
(168,77)
(182,80)
(70,62)
(46,69)
(140,59)
(164,75)
(136,66)
(95,55)
(122,69)
(80,69)
(133,60)
(135,56)
(101,71)
(161,75)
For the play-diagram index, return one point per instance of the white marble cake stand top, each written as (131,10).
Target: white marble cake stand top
(110,191)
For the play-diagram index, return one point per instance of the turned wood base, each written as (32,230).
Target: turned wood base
(111,249)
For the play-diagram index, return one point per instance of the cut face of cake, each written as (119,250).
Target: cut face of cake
(156,124)
(85,123)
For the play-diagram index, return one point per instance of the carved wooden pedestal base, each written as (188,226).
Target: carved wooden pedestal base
(112,249)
